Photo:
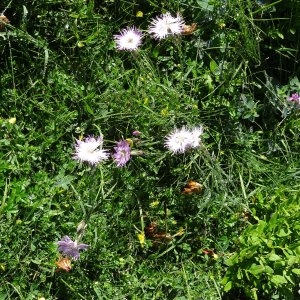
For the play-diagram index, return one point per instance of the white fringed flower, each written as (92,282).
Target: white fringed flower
(90,150)
(181,140)
(178,140)
(129,39)
(165,25)
(196,133)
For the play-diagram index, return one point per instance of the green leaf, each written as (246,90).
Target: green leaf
(274,257)
(155,52)
(254,294)
(205,5)
(269,270)
(88,109)
(226,278)
(278,279)
(279,264)
(296,271)
(249,252)
(232,260)
(239,274)
(213,65)
(292,260)
(63,181)
(36,261)
(280,35)
(256,269)
(282,233)
(228,286)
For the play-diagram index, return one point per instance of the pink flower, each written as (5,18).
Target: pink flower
(122,153)
(136,133)
(295,98)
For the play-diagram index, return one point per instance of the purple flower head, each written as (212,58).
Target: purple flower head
(122,153)
(295,98)
(136,133)
(70,248)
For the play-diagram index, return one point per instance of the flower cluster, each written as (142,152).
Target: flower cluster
(90,150)
(161,27)
(181,140)
(295,98)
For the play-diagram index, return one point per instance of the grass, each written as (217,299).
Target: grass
(62,78)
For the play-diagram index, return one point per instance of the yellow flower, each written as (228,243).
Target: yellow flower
(2,267)
(130,142)
(139,14)
(141,238)
(80,44)
(222,25)
(12,120)
(164,112)
(154,203)
(180,231)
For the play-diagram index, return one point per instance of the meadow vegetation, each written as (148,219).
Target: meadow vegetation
(219,221)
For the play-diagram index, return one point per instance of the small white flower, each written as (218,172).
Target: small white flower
(90,150)
(129,38)
(181,140)
(196,133)
(165,25)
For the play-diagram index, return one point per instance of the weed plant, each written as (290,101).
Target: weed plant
(150,236)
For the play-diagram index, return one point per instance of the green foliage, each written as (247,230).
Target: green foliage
(62,79)
(267,262)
